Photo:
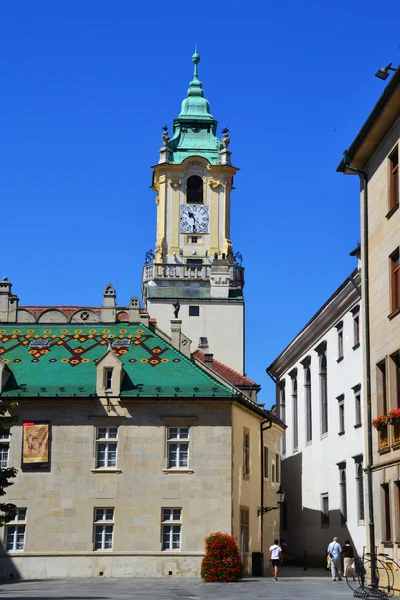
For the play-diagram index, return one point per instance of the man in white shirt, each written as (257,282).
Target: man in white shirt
(334,550)
(275,558)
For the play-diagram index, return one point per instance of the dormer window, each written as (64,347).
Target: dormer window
(39,343)
(194,190)
(108,376)
(124,343)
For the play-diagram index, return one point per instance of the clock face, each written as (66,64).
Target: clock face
(194,218)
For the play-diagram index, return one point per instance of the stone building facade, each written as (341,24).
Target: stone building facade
(374,156)
(319,397)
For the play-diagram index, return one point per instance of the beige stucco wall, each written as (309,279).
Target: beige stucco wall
(384,238)
(246,492)
(60,504)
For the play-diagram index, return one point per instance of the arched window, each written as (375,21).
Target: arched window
(360,491)
(194,190)
(343,495)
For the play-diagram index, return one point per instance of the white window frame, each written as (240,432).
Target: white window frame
(108,375)
(342,412)
(108,442)
(103,521)
(356,326)
(171,525)
(16,527)
(180,441)
(340,340)
(5,439)
(358,405)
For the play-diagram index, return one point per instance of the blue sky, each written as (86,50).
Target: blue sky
(86,88)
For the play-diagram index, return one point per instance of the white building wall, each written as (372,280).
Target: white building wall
(221,322)
(312,469)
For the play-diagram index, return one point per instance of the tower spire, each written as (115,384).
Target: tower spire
(195,86)
(196,60)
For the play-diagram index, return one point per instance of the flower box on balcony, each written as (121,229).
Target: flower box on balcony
(394,416)
(381,422)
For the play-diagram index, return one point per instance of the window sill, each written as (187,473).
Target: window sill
(169,471)
(384,451)
(338,360)
(324,435)
(357,426)
(106,470)
(361,523)
(341,432)
(356,346)
(246,477)
(394,313)
(387,544)
(309,443)
(392,211)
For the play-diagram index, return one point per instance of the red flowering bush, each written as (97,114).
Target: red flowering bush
(222,559)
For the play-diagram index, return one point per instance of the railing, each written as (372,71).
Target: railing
(197,272)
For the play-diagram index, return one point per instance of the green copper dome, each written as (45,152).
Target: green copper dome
(195,129)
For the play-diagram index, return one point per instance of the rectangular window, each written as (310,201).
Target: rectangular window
(4,448)
(273,472)
(246,453)
(244,530)
(15,531)
(386,529)
(106,447)
(178,447)
(323,384)
(295,414)
(395,279)
(265,465)
(381,388)
(108,376)
(394,178)
(282,414)
(339,329)
(356,325)
(171,528)
(341,413)
(308,403)
(395,378)
(277,469)
(194,311)
(324,510)
(357,404)
(103,528)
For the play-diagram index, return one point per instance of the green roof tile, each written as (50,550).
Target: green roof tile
(66,365)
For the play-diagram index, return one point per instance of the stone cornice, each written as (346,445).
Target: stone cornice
(348,294)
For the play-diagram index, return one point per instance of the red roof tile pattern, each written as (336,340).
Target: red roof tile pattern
(226,372)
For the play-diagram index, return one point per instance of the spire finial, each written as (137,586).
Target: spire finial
(196,60)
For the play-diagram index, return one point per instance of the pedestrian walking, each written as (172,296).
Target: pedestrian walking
(275,552)
(334,550)
(348,560)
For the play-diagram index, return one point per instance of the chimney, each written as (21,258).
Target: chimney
(208,357)
(203,344)
(176,326)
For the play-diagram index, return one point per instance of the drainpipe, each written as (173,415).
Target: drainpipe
(365,278)
(264,425)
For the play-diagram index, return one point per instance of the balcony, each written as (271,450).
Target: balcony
(168,271)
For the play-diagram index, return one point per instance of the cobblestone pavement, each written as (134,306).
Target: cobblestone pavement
(287,588)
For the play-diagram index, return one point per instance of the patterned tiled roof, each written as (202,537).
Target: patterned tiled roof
(226,372)
(65,365)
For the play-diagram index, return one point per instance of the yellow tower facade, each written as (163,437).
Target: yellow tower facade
(193,265)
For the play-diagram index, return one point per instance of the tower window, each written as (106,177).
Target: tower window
(194,190)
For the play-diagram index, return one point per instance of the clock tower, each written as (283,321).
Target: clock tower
(193,266)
